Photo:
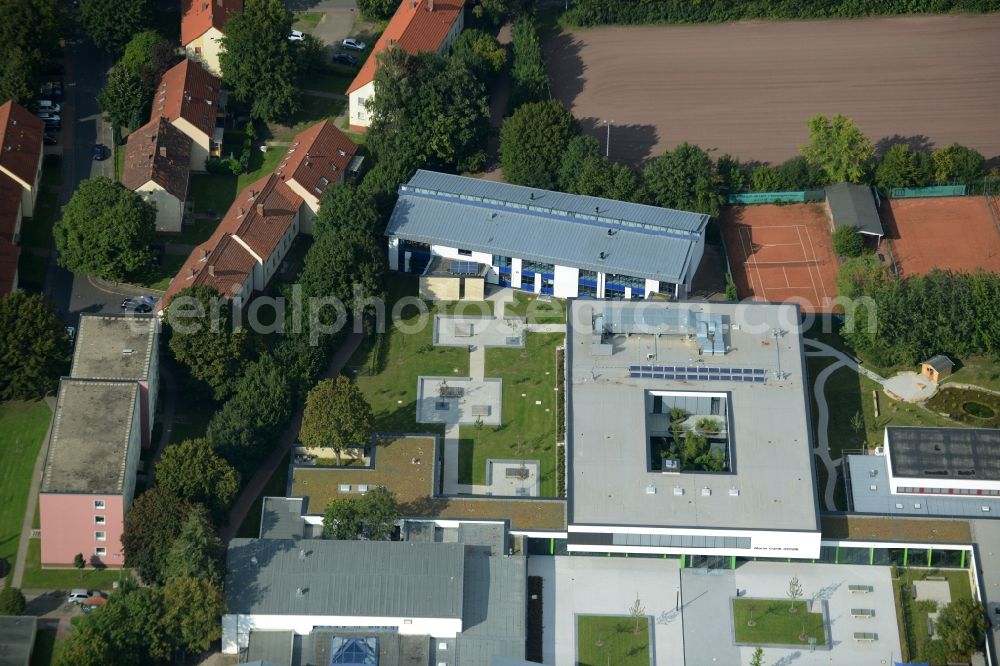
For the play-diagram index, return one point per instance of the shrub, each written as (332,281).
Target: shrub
(847,242)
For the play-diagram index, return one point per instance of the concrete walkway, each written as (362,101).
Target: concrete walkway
(29,511)
(848,361)
(255,486)
(168,389)
(822,449)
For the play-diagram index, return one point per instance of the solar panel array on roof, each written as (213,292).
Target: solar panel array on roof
(700,373)
(947,453)
(464,268)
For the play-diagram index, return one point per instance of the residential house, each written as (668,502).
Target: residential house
(188,98)
(418,26)
(248,246)
(158,167)
(89,477)
(21,134)
(318,157)
(203,24)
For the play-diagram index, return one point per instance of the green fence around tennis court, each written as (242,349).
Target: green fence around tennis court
(932,191)
(750,198)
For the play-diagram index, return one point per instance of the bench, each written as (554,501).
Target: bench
(859,589)
(862,612)
(865,636)
(935,578)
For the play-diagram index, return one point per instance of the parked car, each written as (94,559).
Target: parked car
(353,44)
(49,115)
(345,59)
(50,139)
(54,125)
(296,36)
(101,152)
(49,105)
(71,334)
(51,89)
(142,304)
(78,595)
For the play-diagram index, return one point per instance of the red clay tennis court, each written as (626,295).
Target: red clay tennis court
(782,253)
(951,233)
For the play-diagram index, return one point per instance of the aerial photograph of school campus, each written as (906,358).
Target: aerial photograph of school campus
(499,332)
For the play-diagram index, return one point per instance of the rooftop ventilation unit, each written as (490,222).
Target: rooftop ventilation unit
(678,491)
(300,592)
(706,492)
(734,492)
(650,489)
(128,351)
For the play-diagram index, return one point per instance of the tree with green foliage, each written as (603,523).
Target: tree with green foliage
(79,562)
(847,242)
(148,55)
(337,416)
(341,519)
(257,60)
(29,38)
(497,11)
(17,76)
(379,512)
(901,166)
(378,10)
(794,593)
(125,98)
(430,109)
(339,264)
(34,348)
(529,82)
(192,612)
(193,471)
(684,178)
(960,625)
(733,175)
(533,141)
(579,150)
(481,51)
(793,175)
(106,230)
(585,170)
(112,23)
(957,164)
(203,339)
(856,276)
(346,209)
(197,551)
(758,657)
(839,148)
(151,526)
(12,601)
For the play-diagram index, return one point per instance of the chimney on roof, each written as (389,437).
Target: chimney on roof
(204,253)
(430,5)
(260,209)
(219,2)
(211,270)
(163,151)
(241,211)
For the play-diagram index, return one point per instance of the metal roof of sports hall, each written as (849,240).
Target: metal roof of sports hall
(546,226)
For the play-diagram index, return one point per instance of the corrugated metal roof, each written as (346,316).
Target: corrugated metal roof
(549,227)
(355,578)
(854,206)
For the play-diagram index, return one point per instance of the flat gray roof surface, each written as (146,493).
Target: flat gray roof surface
(854,205)
(281,518)
(882,501)
(494,608)
(948,454)
(365,578)
(271,646)
(101,341)
(91,428)
(565,229)
(17,638)
(769,434)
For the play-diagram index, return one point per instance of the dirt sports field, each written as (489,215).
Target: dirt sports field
(782,253)
(952,233)
(748,88)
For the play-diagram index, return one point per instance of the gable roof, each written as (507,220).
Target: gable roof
(854,206)
(187,90)
(197,16)
(321,152)
(10,206)
(415,28)
(21,134)
(939,362)
(161,153)
(262,213)
(9,254)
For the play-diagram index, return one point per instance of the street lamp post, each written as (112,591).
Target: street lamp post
(607,148)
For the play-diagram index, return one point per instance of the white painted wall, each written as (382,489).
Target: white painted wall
(567,282)
(206,49)
(515,272)
(652,286)
(452,253)
(200,143)
(169,209)
(358,114)
(393,253)
(763,543)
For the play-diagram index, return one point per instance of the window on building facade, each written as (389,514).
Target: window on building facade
(501,261)
(100,551)
(626,281)
(465,253)
(101,536)
(98,520)
(98,504)
(537,267)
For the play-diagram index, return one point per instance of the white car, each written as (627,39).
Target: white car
(78,596)
(49,105)
(296,36)
(353,44)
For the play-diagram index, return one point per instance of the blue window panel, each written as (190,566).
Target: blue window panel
(504,270)
(759,379)
(759,371)
(657,375)
(633,368)
(713,371)
(724,378)
(647,368)
(668,376)
(647,375)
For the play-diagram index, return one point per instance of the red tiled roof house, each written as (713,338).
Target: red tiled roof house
(203,23)
(417,26)
(21,152)
(188,98)
(158,167)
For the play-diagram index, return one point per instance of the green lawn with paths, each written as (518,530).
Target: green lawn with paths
(37,578)
(911,615)
(529,412)
(306,20)
(160,275)
(313,109)
(536,310)
(604,639)
(216,192)
(22,429)
(774,624)
(978,370)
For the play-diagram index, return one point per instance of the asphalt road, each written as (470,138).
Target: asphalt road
(86,66)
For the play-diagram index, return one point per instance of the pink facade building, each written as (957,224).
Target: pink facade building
(90,468)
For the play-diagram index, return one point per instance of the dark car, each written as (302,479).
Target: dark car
(50,139)
(137,306)
(345,59)
(101,152)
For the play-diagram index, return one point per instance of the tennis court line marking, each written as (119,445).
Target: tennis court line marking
(819,273)
(746,259)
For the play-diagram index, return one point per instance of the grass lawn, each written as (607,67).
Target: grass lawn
(387,368)
(119,161)
(891,412)
(976,408)
(31,272)
(334,80)
(276,486)
(529,429)
(306,20)
(192,234)
(619,644)
(537,311)
(215,192)
(775,625)
(911,615)
(22,428)
(314,109)
(159,277)
(35,577)
(192,416)
(978,370)
(38,232)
